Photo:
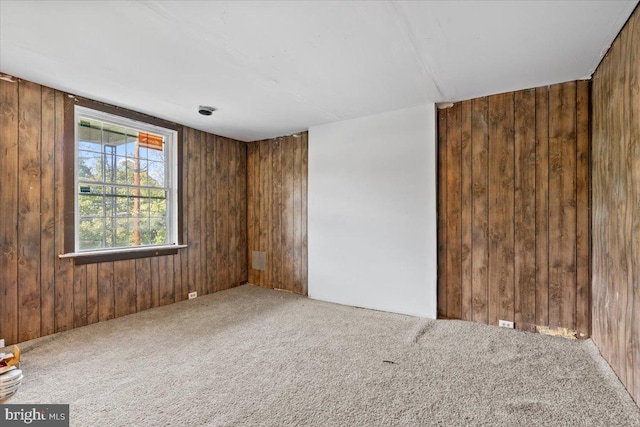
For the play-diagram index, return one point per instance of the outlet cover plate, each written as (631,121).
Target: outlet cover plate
(505,324)
(193,294)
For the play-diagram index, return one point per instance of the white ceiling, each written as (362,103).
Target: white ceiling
(274,68)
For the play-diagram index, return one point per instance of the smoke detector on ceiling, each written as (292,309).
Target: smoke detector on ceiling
(205,110)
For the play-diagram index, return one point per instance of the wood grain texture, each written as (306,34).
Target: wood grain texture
(583,212)
(124,287)
(29,123)
(47,217)
(80,296)
(42,294)
(252,220)
(92,293)
(480,210)
(304,186)
(521,202)
(442,213)
(466,208)
(277,211)
(615,160)
(454,218)
(542,206)
(501,208)
(241,202)
(9,211)
(525,207)
(63,301)
(209,241)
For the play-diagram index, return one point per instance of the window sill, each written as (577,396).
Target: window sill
(93,257)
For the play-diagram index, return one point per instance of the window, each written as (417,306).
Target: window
(126,184)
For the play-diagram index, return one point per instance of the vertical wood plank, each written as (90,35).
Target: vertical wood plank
(29,121)
(501,198)
(155,281)
(210,214)
(221,202)
(568,254)
(186,208)
(195,191)
(251,204)
(465,213)
(287,215)
(80,296)
(143,284)
(232,266)
(454,217)
(555,204)
(124,279)
(241,197)
(633,309)
(9,211)
(276,213)
(542,206)
(583,241)
(297,214)
(92,293)
(203,180)
(177,277)
(525,209)
(47,214)
(165,264)
(562,214)
(304,194)
(480,215)
(227,227)
(63,297)
(106,303)
(265,199)
(163,281)
(442,213)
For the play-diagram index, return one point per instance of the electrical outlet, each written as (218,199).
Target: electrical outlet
(505,324)
(2,343)
(193,294)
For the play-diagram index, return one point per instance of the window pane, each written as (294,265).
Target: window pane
(122,202)
(158,231)
(91,233)
(123,231)
(90,205)
(132,146)
(124,170)
(89,134)
(158,203)
(156,174)
(110,232)
(89,166)
(115,135)
(156,155)
(143,167)
(109,164)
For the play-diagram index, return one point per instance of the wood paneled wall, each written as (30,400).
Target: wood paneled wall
(277,211)
(513,209)
(41,294)
(616,206)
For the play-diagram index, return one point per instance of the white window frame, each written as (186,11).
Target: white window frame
(171,175)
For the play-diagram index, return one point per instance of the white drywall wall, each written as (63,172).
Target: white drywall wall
(372,212)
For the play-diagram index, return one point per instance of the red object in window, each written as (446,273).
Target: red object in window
(149,140)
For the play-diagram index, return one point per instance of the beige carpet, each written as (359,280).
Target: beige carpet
(252,357)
